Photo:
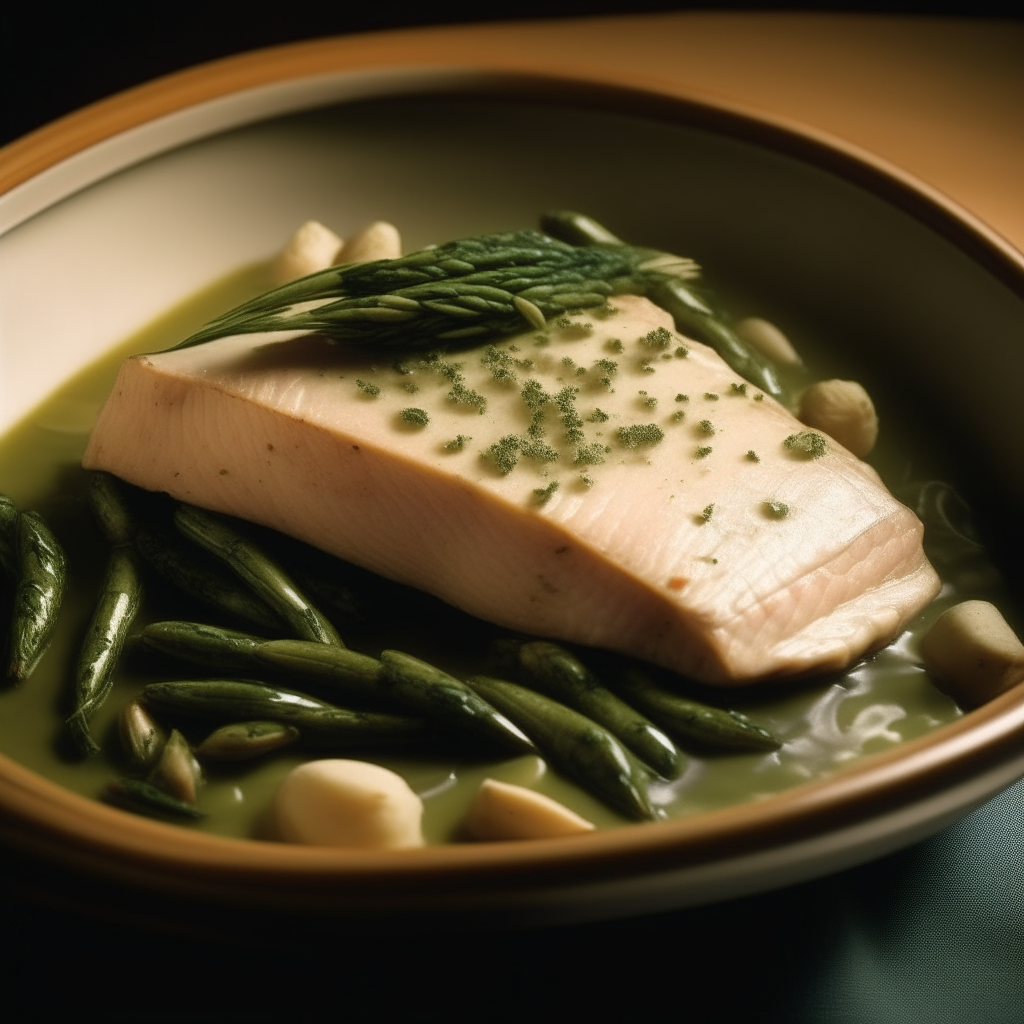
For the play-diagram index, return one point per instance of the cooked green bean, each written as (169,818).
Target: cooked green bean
(243,741)
(41,581)
(119,602)
(110,506)
(690,720)
(565,678)
(144,798)
(141,738)
(183,567)
(8,535)
(235,700)
(355,675)
(692,315)
(211,648)
(177,772)
(258,571)
(422,688)
(575,745)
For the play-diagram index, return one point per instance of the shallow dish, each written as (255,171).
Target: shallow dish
(872,261)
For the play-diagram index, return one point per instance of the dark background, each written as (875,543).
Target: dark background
(749,960)
(60,57)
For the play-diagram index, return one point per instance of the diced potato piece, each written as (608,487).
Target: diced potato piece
(313,247)
(378,241)
(973,654)
(348,803)
(768,340)
(843,410)
(502,811)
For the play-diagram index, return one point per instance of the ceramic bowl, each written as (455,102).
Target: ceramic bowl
(134,204)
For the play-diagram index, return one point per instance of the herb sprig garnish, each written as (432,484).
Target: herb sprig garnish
(455,294)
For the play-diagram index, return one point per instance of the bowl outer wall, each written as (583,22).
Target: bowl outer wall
(984,745)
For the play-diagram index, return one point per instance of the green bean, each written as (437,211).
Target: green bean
(576,228)
(243,741)
(575,745)
(142,797)
(565,678)
(177,562)
(441,698)
(177,772)
(236,700)
(211,648)
(355,675)
(692,315)
(8,535)
(690,720)
(119,601)
(141,738)
(109,504)
(258,571)
(41,581)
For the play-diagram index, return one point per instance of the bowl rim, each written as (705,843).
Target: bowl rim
(43,816)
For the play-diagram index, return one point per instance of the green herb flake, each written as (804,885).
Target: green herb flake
(456,444)
(539,451)
(658,338)
(367,388)
(590,454)
(414,417)
(711,396)
(647,399)
(598,416)
(682,398)
(640,434)
(682,352)
(614,345)
(738,389)
(775,509)
(758,397)
(587,481)
(568,362)
(707,427)
(542,495)
(703,452)
(678,416)
(753,456)
(709,511)
(410,387)
(581,371)
(504,453)
(608,365)
(604,311)
(806,444)
(513,348)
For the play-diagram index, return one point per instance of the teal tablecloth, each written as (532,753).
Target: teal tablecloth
(932,934)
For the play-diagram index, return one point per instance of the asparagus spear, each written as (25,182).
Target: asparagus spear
(459,292)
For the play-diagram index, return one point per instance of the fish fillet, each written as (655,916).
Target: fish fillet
(674,524)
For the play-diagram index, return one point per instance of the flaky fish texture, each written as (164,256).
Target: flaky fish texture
(604,481)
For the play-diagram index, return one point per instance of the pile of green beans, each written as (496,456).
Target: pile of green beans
(294,682)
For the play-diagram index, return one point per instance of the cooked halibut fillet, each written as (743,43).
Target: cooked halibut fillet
(655,510)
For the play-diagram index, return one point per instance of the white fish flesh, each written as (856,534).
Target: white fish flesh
(654,510)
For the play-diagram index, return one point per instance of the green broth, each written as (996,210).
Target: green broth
(825,724)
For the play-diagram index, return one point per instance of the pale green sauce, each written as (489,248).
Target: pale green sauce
(826,724)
